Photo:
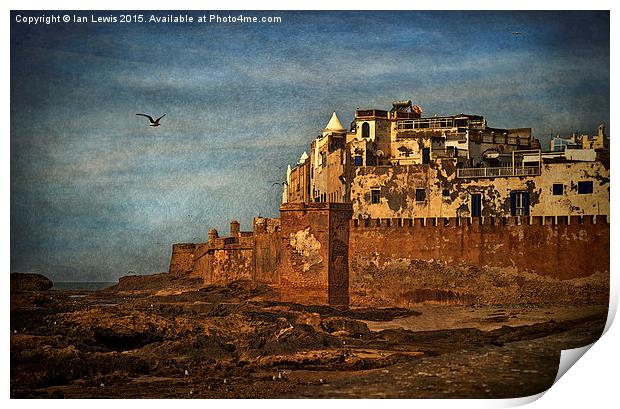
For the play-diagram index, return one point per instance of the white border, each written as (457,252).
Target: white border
(593,381)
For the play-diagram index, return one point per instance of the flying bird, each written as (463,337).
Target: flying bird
(153,122)
(517,33)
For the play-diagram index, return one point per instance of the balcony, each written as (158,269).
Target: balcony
(498,172)
(522,163)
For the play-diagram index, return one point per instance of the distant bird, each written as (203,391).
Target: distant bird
(517,33)
(153,122)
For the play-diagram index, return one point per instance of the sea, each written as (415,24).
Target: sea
(81,285)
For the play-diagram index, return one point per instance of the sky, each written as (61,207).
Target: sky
(97,193)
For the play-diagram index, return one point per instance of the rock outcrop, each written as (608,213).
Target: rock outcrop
(21,282)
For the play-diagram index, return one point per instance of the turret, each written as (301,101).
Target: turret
(235,230)
(212,235)
(334,126)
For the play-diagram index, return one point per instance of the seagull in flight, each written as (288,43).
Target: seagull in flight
(154,122)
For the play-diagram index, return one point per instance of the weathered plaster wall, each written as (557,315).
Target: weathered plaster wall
(398,184)
(383,136)
(408,150)
(219,262)
(230,264)
(310,262)
(575,247)
(326,183)
(303,267)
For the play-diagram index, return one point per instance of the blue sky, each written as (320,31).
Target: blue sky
(96,193)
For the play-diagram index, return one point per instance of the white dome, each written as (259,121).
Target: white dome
(302,158)
(334,124)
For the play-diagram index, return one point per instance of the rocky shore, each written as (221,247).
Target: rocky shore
(174,339)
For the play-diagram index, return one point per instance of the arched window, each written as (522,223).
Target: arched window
(365,130)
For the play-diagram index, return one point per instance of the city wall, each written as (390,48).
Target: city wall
(558,247)
(241,256)
(316,253)
(221,262)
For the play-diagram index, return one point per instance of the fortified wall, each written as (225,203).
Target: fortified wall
(317,254)
(560,247)
(242,255)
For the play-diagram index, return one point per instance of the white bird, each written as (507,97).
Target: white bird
(154,122)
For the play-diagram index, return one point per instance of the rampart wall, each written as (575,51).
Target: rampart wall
(242,256)
(182,258)
(222,264)
(267,249)
(317,254)
(557,247)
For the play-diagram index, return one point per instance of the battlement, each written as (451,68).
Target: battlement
(317,253)
(385,223)
(297,206)
(266,225)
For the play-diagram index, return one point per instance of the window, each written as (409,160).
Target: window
(476,205)
(585,188)
(359,160)
(519,203)
(426,155)
(558,189)
(420,195)
(365,130)
(461,123)
(323,159)
(375,196)
(445,193)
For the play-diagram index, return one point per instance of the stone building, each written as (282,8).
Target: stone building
(600,141)
(399,164)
